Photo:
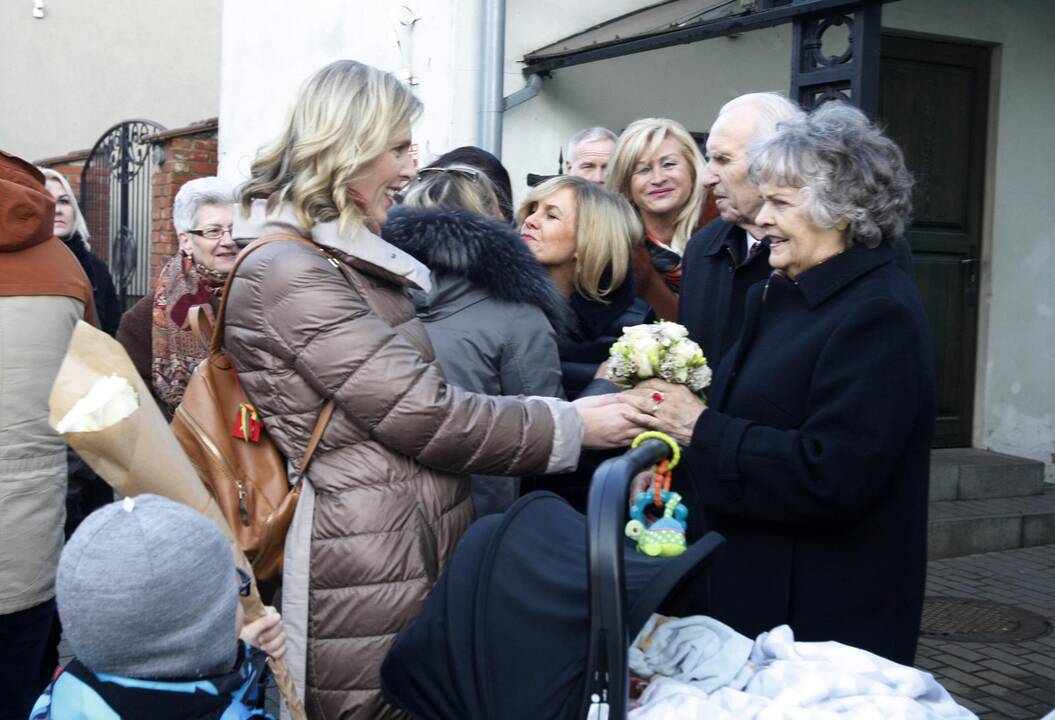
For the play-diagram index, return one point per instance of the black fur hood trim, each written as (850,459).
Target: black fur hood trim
(488,253)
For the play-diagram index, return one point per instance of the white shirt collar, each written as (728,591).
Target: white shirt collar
(362,244)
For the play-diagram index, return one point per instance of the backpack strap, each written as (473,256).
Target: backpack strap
(201,326)
(216,345)
(316,435)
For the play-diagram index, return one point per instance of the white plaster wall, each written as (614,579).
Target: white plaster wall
(1015,388)
(89,64)
(270,47)
(688,83)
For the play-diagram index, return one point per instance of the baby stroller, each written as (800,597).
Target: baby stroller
(534,613)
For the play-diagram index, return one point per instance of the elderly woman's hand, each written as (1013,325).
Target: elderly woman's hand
(675,413)
(610,422)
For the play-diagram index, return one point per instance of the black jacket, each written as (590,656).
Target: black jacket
(714,285)
(594,328)
(107,307)
(813,459)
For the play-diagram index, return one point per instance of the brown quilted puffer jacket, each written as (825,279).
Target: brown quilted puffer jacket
(390,499)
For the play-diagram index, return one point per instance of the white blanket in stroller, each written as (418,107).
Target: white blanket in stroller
(780,680)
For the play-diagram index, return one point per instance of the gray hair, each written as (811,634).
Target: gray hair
(770,109)
(848,168)
(590,134)
(194,194)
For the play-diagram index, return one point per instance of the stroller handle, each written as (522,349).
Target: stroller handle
(607,681)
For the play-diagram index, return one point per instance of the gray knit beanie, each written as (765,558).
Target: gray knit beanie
(147,588)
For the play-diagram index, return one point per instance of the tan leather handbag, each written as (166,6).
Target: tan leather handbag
(228,444)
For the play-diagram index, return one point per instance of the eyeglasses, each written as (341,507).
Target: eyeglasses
(213,233)
(245,582)
(467,172)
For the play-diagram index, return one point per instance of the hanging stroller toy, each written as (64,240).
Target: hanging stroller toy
(658,519)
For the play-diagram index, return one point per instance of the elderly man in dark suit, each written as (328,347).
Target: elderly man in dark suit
(729,255)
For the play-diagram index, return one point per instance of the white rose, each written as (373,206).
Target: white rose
(643,353)
(673,330)
(683,352)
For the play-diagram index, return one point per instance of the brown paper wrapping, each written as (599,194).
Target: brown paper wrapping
(140,454)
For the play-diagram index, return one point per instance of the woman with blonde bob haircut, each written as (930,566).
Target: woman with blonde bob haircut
(319,317)
(657,166)
(583,235)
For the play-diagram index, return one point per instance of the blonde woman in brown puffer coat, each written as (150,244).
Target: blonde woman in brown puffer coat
(386,498)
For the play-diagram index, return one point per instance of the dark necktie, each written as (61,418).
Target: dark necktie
(755,249)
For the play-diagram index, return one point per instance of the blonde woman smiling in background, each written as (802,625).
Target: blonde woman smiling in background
(657,167)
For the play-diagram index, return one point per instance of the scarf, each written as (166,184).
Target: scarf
(665,260)
(181,285)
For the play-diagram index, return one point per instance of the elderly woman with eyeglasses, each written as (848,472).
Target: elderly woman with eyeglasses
(156,331)
(811,453)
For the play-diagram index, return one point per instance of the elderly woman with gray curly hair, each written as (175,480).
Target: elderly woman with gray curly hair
(811,454)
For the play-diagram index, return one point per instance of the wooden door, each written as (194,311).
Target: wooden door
(934,104)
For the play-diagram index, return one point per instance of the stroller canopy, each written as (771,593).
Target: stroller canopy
(504,633)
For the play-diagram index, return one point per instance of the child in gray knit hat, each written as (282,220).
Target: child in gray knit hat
(147,591)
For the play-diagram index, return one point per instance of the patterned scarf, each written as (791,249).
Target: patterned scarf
(182,285)
(666,261)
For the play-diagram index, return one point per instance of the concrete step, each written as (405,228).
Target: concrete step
(969,474)
(966,527)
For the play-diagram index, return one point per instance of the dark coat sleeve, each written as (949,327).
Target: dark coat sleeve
(865,394)
(135,333)
(107,306)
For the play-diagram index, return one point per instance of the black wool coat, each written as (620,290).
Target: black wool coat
(107,306)
(813,460)
(714,283)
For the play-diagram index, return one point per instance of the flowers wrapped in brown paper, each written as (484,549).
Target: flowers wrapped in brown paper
(134,450)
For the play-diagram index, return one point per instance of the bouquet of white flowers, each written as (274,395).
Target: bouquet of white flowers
(662,349)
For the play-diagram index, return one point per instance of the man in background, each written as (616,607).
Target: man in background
(586,153)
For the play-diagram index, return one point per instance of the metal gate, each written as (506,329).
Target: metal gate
(116,202)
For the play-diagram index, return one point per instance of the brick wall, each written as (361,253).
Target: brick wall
(187,153)
(70,166)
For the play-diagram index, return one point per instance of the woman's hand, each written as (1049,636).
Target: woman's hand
(266,633)
(676,414)
(610,422)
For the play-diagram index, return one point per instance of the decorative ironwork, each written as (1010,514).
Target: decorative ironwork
(116,202)
(852,75)
(815,41)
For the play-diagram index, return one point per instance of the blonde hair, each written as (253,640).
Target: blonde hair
(79,225)
(643,137)
(454,186)
(606,229)
(343,119)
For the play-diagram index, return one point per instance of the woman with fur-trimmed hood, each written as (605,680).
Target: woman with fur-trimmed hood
(492,314)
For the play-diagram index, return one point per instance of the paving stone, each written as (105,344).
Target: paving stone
(1013,679)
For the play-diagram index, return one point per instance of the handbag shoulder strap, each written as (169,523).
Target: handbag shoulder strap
(216,346)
